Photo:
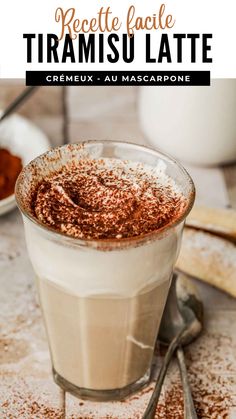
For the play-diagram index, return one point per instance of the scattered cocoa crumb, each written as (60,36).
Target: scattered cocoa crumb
(94,199)
(12,350)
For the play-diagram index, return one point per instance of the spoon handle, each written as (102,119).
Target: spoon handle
(151,407)
(18,101)
(189,409)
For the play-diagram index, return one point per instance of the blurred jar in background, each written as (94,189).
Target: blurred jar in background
(196,124)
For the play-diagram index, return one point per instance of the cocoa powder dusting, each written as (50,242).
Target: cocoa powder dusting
(99,199)
(10,167)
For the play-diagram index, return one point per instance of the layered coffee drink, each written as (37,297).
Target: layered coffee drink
(103,228)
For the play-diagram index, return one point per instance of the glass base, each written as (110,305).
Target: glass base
(101,395)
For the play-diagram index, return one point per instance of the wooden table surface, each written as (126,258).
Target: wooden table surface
(27,390)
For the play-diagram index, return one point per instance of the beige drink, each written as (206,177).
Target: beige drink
(103,342)
(103,223)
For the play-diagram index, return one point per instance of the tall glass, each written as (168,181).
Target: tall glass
(102,300)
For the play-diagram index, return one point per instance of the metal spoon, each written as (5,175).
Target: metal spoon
(181,323)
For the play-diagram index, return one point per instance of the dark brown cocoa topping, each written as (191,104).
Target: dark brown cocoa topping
(98,199)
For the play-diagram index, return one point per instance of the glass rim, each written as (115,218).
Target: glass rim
(116,242)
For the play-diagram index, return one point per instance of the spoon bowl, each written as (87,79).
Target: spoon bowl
(183,309)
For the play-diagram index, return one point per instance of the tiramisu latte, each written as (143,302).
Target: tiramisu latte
(103,224)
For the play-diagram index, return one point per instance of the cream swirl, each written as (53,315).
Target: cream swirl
(91,200)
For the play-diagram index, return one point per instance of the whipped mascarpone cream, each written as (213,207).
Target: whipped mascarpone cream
(106,199)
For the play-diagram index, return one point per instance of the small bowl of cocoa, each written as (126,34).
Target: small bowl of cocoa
(20,142)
